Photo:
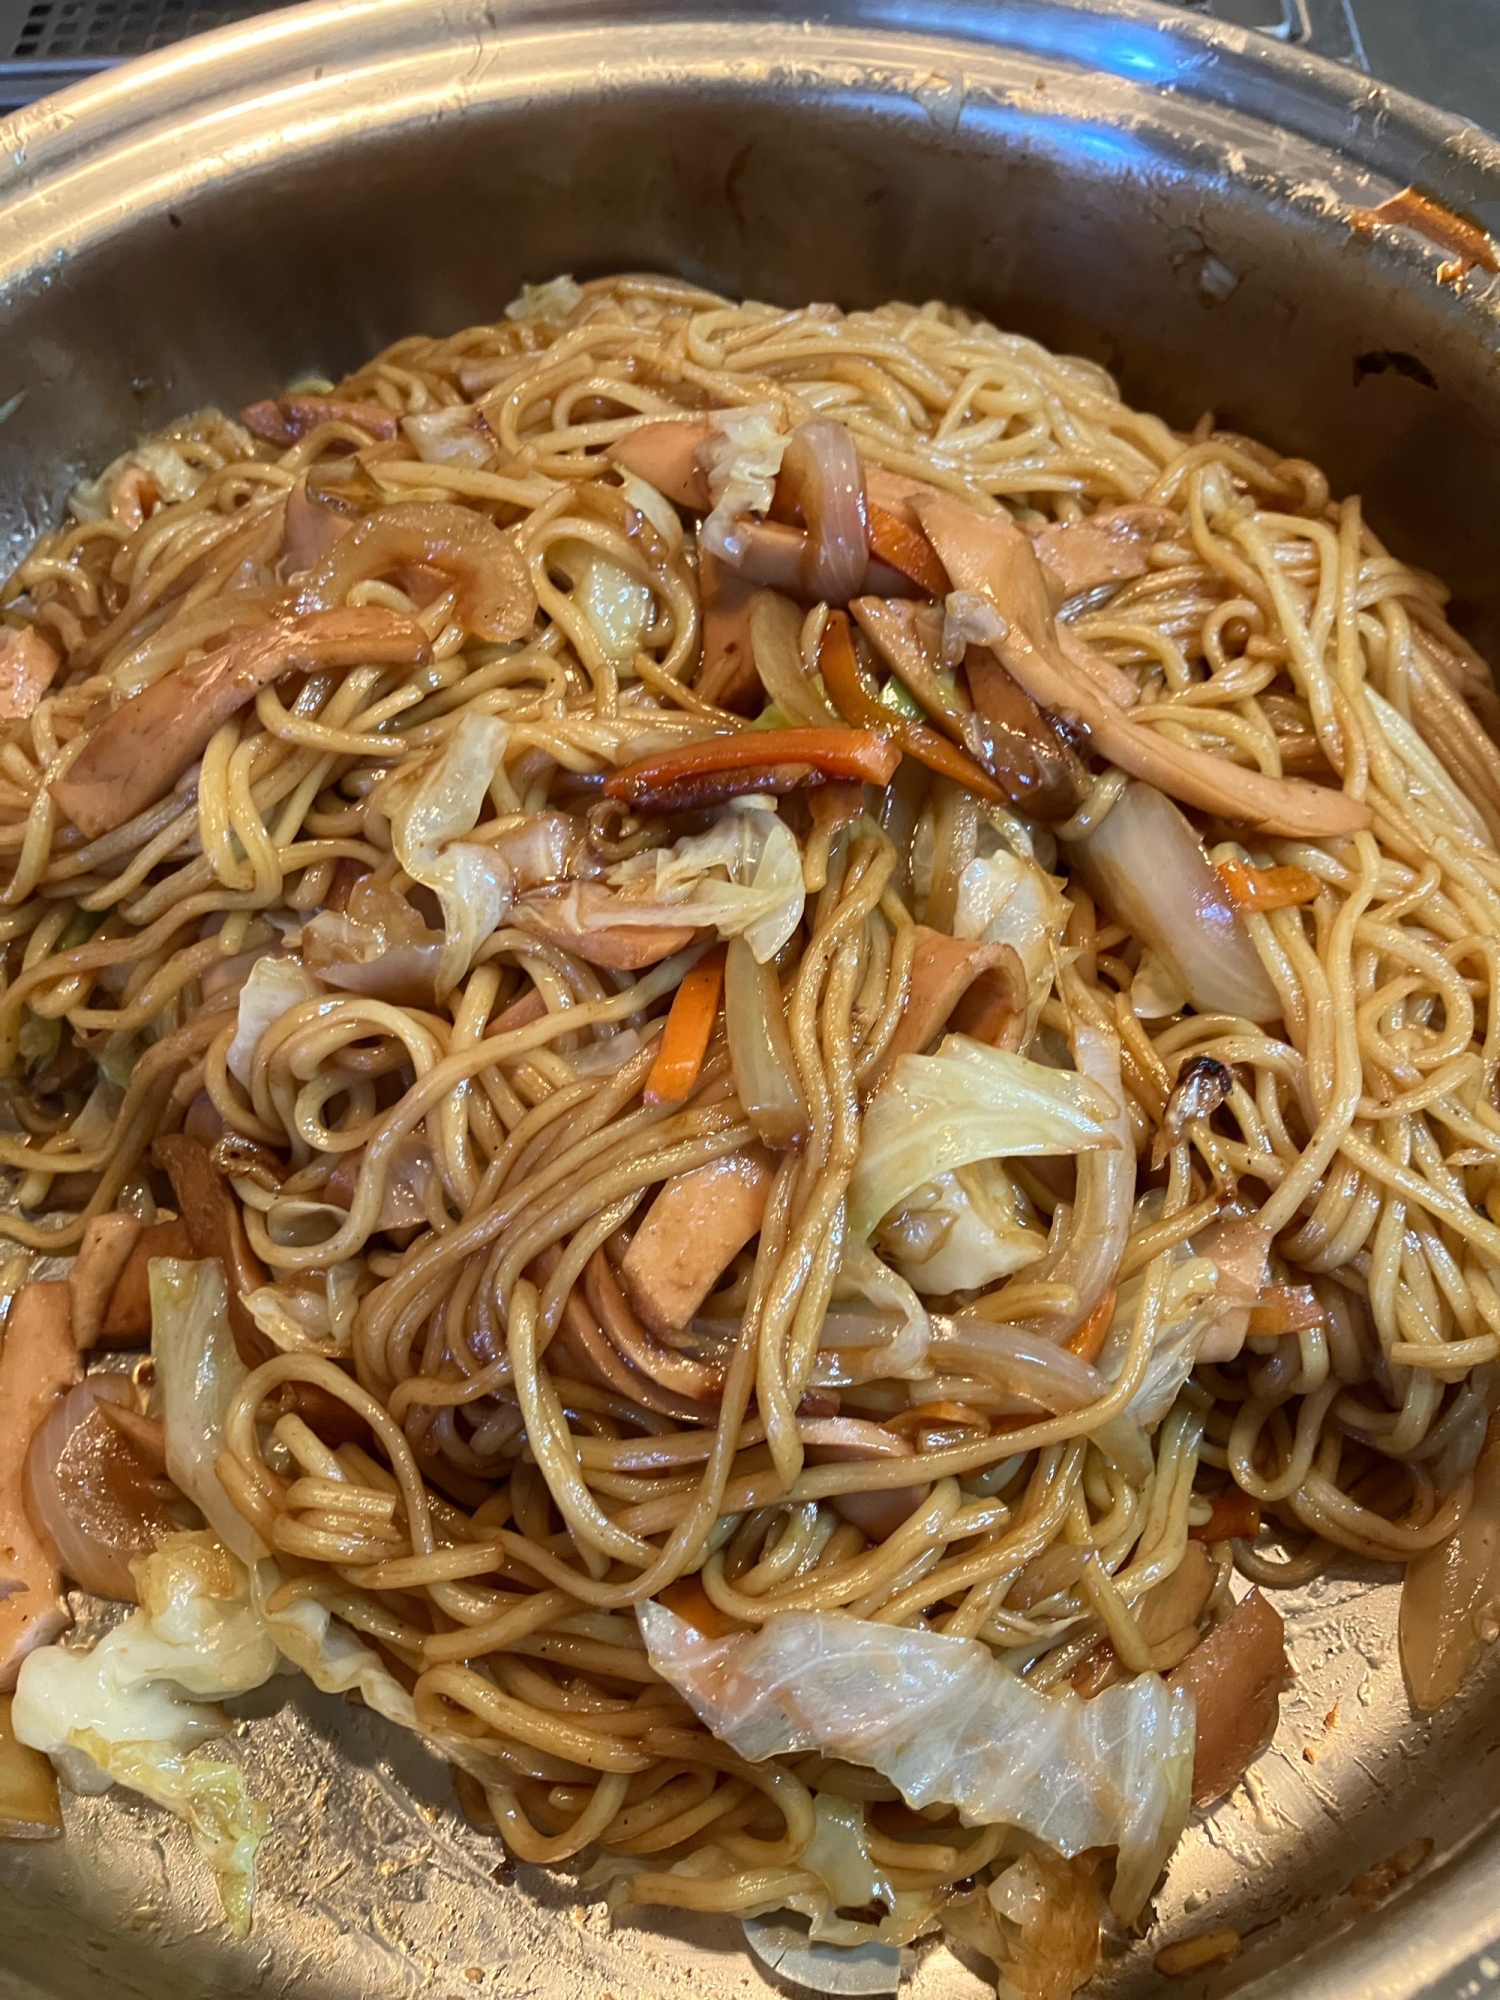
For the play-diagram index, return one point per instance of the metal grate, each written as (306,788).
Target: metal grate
(63,30)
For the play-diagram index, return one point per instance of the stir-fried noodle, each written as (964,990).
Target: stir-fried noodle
(893,1162)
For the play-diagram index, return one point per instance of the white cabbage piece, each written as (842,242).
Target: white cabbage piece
(429,813)
(616,605)
(743,876)
(1189,1308)
(451,436)
(554,299)
(276,985)
(1005,898)
(656,507)
(889,1344)
(946,1723)
(741,460)
(198,1374)
(968,1102)
(312,1312)
(1037,1922)
(134,1709)
(962,1230)
(334,1659)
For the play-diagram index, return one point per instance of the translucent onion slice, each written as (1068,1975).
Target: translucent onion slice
(776,642)
(90,1492)
(1147,866)
(1450,1599)
(823,480)
(760,1048)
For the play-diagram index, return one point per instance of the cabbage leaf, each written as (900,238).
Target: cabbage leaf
(276,985)
(135,1709)
(946,1723)
(616,605)
(741,460)
(198,1374)
(429,813)
(743,877)
(934,1114)
(961,1231)
(1005,898)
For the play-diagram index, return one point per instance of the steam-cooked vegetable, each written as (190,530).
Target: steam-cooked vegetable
(1148,868)
(760,1048)
(962,1231)
(93,1485)
(944,1722)
(135,1709)
(968,1102)
(198,1371)
(1450,1594)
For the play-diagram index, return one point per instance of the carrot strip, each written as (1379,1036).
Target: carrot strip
(1285,1309)
(692,1603)
(685,1037)
(1235,1518)
(865,754)
(927,1414)
(838,663)
(1087,1337)
(906,549)
(1267,888)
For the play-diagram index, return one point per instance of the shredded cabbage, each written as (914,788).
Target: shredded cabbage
(554,299)
(656,507)
(741,459)
(968,1102)
(276,985)
(946,1723)
(198,1373)
(743,876)
(1004,898)
(122,1713)
(428,814)
(962,1230)
(450,437)
(312,1313)
(617,607)
(1190,1305)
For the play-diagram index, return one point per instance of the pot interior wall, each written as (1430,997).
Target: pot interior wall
(1122,240)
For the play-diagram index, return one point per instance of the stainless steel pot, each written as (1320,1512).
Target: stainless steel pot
(1123,181)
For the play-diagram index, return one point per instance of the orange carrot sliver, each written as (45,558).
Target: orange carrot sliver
(1087,1338)
(1267,888)
(906,549)
(1235,1518)
(838,663)
(1285,1309)
(685,1037)
(864,755)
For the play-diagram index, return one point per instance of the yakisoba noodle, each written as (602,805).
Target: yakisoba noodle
(442,1143)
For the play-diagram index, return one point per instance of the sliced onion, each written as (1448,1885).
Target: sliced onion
(495,595)
(1450,1599)
(823,480)
(776,642)
(90,1490)
(1016,1358)
(760,1048)
(1147,866)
